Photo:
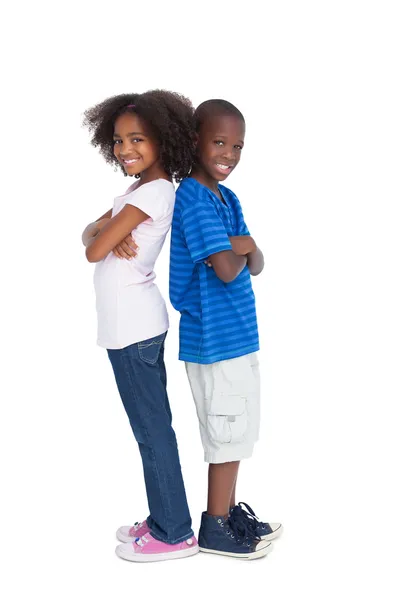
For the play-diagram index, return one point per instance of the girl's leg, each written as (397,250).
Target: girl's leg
(140,374)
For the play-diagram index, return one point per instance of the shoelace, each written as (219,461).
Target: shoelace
(241,526)
(141,541)
(135,527)
(250,515)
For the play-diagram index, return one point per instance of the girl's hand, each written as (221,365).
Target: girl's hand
(92,230)
(115,234)
(126,249)
(100,224)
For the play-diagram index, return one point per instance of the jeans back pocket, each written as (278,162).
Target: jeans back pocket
(149,350)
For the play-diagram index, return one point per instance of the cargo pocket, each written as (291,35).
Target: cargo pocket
(227,418)
(228,410)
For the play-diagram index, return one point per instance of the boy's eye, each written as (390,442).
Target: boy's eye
(219,142)
(117,142)
(239,147)
(136,140)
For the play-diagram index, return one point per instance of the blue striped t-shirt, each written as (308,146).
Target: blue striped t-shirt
(218,320)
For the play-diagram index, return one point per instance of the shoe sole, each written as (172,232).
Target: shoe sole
(251,556)
(274,535)
(157,557)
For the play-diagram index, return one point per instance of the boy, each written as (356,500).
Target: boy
(212,258)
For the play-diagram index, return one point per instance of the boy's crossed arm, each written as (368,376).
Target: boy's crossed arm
(207,241)
(244,245)
(228,264)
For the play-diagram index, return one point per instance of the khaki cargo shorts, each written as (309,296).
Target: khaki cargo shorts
(227,398)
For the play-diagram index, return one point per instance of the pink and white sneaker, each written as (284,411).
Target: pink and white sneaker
(148,549)
(128,533)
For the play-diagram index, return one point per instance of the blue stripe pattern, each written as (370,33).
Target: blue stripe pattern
(218,320)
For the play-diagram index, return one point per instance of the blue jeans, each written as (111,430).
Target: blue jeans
(141,378)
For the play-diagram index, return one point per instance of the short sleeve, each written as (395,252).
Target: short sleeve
(204,231)
(242,227)
(153,199)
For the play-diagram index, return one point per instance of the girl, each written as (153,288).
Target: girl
(150,137)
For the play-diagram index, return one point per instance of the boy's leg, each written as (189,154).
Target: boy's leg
(227,398)
(227,403)
(227,408)
(232,502)
(221,484)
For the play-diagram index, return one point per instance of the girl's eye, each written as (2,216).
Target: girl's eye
(239,147)
(219,142)
(133,141)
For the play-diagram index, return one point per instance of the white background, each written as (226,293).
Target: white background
(318,83)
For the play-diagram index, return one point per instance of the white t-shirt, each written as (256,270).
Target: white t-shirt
(129,305)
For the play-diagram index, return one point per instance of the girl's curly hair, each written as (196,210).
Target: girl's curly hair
(169,117)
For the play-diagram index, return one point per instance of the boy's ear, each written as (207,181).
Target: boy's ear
(195,139)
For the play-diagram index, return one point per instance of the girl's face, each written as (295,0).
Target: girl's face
(134,147)
(220,142)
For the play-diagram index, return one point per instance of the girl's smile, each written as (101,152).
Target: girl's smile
(128,162)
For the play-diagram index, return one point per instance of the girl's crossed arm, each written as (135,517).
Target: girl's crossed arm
(106,235)
(93,228)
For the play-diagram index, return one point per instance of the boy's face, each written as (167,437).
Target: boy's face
(220,142)
(134,148)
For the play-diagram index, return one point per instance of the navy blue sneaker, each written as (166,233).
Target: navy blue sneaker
(265,531)
(233,536)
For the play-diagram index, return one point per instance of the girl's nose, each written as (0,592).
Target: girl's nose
(125,148)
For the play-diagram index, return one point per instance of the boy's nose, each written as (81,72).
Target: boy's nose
(228,155)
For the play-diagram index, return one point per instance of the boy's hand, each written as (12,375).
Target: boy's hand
(242,244)
(126,249)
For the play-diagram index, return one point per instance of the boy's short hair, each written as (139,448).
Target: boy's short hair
(212,108)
